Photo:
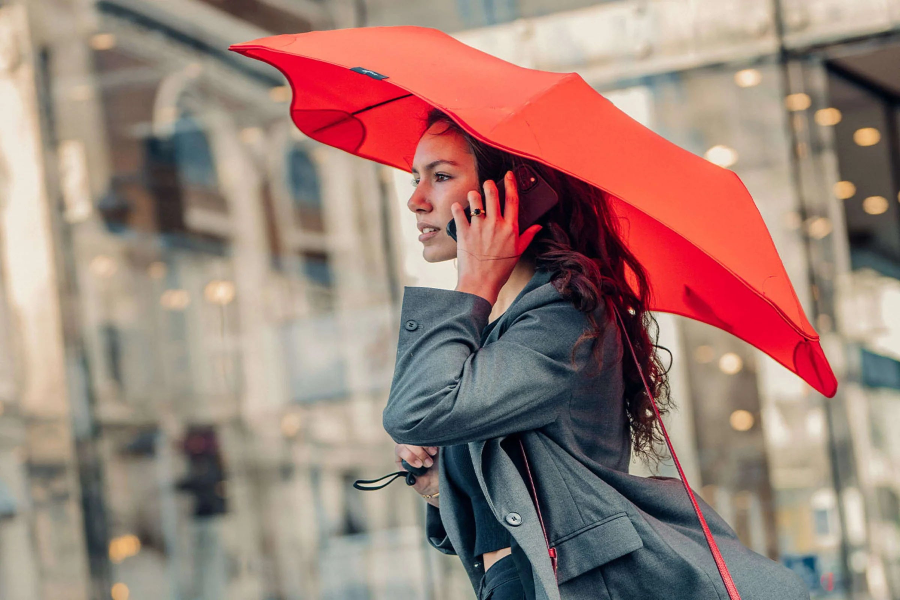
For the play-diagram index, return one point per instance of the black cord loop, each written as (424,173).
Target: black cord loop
(410,480)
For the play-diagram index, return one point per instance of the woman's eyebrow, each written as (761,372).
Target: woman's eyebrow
(433,164)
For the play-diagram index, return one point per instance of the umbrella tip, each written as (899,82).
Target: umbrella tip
(270,42)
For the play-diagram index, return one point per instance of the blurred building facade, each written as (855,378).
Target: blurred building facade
(198,305)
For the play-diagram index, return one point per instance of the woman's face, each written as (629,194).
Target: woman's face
(438,185)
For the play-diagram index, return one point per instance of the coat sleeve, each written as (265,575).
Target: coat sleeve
(448,390)
(434,530)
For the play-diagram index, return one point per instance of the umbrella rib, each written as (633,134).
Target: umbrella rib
(362,110)
(381,103)
(535,97)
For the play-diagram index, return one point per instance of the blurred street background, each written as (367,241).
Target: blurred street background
(199,305)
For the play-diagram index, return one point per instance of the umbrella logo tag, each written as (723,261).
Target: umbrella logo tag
(370,73)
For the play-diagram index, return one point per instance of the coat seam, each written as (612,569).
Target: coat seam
(563,479)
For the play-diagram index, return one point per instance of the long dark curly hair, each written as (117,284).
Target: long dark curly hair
(581,245)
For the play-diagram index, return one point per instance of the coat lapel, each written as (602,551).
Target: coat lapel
(462,541)
(503,487)
(500,481)
(506,493)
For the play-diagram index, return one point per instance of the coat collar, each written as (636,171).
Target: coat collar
(535,293)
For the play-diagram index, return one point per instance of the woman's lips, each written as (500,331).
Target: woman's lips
(428,236)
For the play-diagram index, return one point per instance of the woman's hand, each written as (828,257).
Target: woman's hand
(419,456)
(489,247)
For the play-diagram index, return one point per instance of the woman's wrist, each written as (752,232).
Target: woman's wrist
(432,499)
(477,289)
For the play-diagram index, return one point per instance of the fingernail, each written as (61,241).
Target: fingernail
(428,462)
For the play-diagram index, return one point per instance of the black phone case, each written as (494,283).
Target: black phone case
(536,197)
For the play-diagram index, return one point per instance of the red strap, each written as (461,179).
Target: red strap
(717,556)
(552,551)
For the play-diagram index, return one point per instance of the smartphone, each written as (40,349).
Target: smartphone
(536,197)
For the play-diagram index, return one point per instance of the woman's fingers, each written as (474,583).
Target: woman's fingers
(476,200)
(511,202)
(462,224)
(408,451)
(526,238)
(416,456)
(428,483)
(493,200)
(416,461)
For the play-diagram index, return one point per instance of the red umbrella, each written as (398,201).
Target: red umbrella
(692,224)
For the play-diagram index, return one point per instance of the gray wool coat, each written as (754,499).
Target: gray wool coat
(458,380)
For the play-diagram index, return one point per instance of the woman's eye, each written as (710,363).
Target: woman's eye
(415,182)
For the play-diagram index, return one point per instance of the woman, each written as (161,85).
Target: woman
(502,360)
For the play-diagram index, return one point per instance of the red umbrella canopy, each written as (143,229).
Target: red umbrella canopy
(691,223)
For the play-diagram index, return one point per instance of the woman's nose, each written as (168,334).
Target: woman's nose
(417,201)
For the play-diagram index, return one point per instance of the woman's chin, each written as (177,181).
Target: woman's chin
(435,255)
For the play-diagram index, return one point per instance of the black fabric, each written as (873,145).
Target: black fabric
(490,535)
(501,582)
(526,578)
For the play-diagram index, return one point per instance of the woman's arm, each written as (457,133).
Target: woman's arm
(448,390)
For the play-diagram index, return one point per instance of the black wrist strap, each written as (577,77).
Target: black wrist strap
(410,480)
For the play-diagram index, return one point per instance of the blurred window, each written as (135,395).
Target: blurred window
(303,185)
(192,154)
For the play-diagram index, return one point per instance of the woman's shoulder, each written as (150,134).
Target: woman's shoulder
(546,301)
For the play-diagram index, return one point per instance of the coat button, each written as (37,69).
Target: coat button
(514,519)
(411,325)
